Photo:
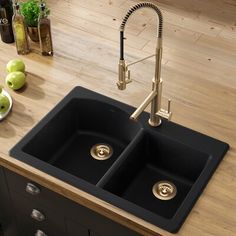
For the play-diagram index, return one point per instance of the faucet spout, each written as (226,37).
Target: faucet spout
(124,74)
(144,104)
(129,13)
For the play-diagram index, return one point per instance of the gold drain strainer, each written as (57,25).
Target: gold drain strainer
(164,190)
(101,151)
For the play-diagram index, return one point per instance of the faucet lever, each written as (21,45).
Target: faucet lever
(165,113)
(169,102)
(124,75)
(128,80)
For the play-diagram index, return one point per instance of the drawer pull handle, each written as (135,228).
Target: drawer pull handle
(32,189)
(40,233)
(37,215)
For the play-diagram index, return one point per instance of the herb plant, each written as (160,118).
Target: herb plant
(30,10)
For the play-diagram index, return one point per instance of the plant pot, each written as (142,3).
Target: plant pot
(33,33)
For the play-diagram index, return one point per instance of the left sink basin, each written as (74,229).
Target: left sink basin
(81,136)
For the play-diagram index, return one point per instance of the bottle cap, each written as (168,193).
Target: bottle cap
(42,6)
(17,6)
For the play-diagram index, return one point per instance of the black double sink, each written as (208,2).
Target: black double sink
(88,141)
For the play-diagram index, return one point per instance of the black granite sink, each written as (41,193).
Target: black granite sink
(140,156)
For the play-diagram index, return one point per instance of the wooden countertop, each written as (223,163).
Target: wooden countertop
(198,70)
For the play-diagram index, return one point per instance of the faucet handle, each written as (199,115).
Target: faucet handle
(128,79)
(124,75)
(124,80)
(165,113)
(168,108)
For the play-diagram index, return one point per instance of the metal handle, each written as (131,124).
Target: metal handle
(165,114)
(124,75)
(32,189)
(37,215)
(40,233)
(169,102)
(128,79)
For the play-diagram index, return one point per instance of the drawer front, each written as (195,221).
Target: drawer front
(74,228)
(94,234)
(7,223)
(27,228)
(32,191)
(54,207)
(32,217)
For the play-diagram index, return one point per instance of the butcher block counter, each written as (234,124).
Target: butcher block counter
(198,72)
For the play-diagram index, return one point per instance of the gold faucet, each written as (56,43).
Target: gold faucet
(154,97)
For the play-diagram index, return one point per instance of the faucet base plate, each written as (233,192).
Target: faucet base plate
(154,123)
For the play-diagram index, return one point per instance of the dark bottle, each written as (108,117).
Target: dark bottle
(44,29)
(6,13)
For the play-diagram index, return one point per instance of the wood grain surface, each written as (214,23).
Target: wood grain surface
(199,74)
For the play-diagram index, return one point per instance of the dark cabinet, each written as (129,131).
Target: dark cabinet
(33,210)
(94,234)
(36,209)
(7,220)
(74,228)
(33,216)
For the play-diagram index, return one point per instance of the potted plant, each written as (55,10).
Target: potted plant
(30,10)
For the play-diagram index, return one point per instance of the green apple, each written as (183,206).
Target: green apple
(4,103)
(15,65)
(15,80)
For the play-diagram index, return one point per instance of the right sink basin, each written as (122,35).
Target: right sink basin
(164,173)
(155,173)
(158,174)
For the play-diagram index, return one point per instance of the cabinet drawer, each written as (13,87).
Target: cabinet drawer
(56,208)
(74,228)
(52,225)
(94,234)
(26,227)
(32,191)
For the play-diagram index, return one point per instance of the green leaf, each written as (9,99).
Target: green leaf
(30,10)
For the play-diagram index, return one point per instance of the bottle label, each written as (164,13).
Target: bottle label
(4,21)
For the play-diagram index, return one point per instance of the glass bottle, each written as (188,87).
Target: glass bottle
(19,29)
(6,13)
(44,29)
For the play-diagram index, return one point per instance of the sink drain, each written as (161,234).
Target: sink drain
(164,190)
(101,151)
